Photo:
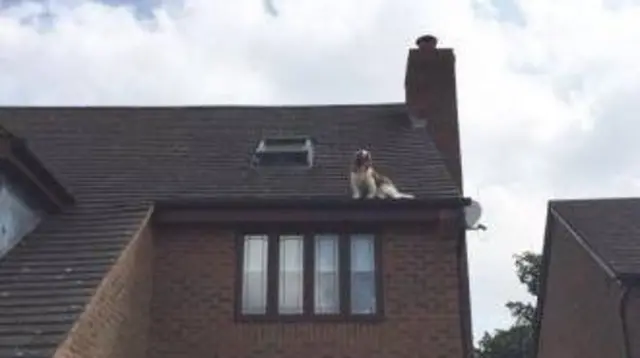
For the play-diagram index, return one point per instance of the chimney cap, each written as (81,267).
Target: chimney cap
(427,41)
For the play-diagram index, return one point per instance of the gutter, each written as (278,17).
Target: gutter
(319,202)
(622,305)
(318,210)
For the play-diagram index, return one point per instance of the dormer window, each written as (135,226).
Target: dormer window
(284,152)
(17,218)
(27,191)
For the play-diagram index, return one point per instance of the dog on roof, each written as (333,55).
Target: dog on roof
(367,183)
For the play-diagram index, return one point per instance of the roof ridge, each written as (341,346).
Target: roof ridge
(594,199)
(205,106)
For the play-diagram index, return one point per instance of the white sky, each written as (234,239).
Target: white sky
(547,92)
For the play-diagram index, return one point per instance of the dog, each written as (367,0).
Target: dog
(365,179)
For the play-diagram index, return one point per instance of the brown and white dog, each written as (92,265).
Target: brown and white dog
(365,179)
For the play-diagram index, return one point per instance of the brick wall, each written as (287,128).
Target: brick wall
(115,323)
(431,92)
(193,297)
(581,317)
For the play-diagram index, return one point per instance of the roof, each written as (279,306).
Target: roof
(117,161)
(607,228)
(157,153)
(46,280)
(610,229)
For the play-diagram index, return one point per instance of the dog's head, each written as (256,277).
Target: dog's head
(362,159)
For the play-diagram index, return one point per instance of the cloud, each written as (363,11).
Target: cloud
(270,7)
(547,90)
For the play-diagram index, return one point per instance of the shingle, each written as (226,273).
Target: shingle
(117,161)
(611,227)
(141,153)
(36,352)
(46,280)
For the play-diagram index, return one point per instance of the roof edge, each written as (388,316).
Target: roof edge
(583,243)
(330,202)
(591,199)
(629,279)
(27,171)
(542,290)
(203,106)
(82,318)
(306,211)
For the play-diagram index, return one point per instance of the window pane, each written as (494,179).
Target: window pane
(16,218)
(326,274)
(290,282)
(254,288)
(363,298)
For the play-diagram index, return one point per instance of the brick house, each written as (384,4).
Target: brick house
(589,300)
(231,232)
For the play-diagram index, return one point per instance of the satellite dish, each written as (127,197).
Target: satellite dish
(472,214)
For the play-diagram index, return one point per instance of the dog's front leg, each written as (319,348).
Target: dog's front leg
(355,191)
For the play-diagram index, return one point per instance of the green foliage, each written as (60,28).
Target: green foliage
(528,271)
(524,313)
(517,340)
(510,343)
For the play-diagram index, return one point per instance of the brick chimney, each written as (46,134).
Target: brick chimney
(430,95)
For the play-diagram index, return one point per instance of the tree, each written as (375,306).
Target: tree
(517,340)
(506,343)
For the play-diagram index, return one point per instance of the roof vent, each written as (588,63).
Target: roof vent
(284,152)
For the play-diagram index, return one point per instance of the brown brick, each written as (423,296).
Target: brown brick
(192,311)
(115,323)
(580,317)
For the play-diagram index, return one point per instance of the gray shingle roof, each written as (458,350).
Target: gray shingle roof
(611,227)
(46,279)
(116,161)
(198,152)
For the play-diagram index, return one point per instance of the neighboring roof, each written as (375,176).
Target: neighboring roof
(607,228)
(610,229)
(117,161)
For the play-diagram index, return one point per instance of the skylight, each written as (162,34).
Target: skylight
(284,152)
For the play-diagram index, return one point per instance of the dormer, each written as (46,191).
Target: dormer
(28,191)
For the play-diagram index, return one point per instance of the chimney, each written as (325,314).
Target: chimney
(430,95)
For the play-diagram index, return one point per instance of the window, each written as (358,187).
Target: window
(254,287)
(326,278)
(17,219)
(363,297)
(290,278)
(284,152)
(315,276)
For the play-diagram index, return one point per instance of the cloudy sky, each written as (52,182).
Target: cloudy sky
(548,89)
